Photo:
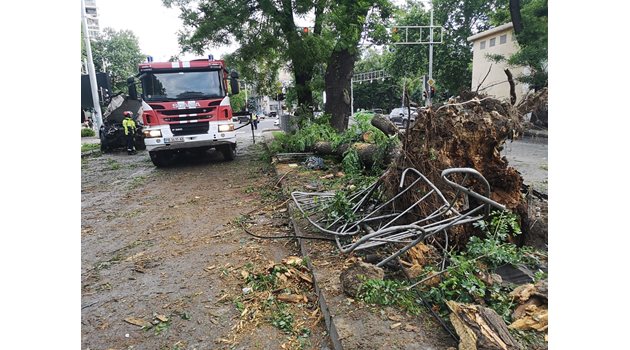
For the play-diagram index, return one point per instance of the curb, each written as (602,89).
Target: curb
(536,133)
(323,306)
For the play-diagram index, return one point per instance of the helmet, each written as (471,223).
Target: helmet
(128,114)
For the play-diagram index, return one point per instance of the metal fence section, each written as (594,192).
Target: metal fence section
(370,222)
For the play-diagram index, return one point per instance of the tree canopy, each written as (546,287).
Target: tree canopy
(118,53)
(267,33)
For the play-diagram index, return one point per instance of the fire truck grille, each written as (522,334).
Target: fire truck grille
(190,128)
(187,111)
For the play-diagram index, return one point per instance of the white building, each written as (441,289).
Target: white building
(500,40)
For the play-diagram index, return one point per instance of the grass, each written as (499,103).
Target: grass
(113,165)
(85,132)
(281,318)
(86,147)
(137,182)
(389,293)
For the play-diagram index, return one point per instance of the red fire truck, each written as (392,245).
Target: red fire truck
(186,107)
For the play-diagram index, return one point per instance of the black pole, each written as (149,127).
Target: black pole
(251,123)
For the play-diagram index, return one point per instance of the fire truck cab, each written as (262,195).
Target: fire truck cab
(186,106)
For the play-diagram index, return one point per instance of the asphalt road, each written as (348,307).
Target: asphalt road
(530,157)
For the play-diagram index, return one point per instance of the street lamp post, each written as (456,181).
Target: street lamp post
(90,65)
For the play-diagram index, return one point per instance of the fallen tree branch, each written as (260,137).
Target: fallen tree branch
(484,79)
(512,86)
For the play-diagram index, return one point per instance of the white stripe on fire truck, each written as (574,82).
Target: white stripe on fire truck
(146,107)
(174,64)
(188,121)
(186,64)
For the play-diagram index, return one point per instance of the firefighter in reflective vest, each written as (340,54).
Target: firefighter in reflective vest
(130,131)
(255,120)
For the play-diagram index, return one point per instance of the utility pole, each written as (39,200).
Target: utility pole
(90,65)
(430,58)
(418,39)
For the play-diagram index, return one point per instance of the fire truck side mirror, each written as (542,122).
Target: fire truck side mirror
(133,93)
(234,82)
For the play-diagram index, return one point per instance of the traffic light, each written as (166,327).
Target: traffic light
(281,97)
(305,30)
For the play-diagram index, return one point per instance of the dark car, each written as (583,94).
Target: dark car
(112,133)
(112,136)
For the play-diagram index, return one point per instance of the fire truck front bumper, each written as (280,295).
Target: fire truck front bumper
(189,142)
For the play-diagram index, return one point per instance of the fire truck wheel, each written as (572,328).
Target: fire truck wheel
(228,152)
(160,159)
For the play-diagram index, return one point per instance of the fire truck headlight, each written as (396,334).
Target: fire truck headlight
(226,127)
(152,133)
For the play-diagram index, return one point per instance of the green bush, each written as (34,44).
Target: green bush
(463,282)
(86,132)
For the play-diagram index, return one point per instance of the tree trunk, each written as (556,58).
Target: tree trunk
(515,14)
(302,64)
(303,89)
(385,125)
(367,152)
(338,75)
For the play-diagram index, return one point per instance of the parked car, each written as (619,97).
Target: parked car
(400,116)
(377,111)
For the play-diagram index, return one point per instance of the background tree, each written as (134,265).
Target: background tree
(384,94)
(265,30)
(452,60)
(350,21)
(532,39)
(118,53)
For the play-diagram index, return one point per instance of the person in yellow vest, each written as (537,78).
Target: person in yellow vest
(130,131)
(255,120)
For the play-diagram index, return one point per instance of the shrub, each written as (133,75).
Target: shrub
(87,132)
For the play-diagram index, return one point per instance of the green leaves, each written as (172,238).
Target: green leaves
(117,52)
(389,293)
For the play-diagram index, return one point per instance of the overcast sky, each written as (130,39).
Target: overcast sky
(155,26)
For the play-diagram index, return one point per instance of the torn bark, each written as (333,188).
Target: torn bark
(479,327)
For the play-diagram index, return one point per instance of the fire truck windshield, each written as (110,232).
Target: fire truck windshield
(176,86)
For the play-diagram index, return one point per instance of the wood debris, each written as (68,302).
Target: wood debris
(479,327)
(138,322)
